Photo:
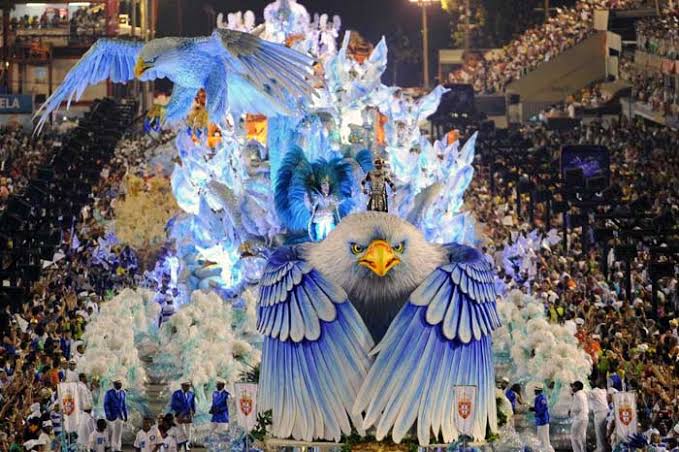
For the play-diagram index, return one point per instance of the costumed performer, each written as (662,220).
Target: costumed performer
(378,179)
(579,413)
(220,409)
(183,404)
(115,407)
(541,409)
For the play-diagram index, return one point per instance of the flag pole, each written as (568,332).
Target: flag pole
(64,444)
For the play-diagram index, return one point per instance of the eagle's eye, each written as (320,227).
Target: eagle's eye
(400,248)
(356,248)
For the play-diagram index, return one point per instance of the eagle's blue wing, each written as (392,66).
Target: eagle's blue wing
(107,59)
(263,77)
(315,353)
(440,338)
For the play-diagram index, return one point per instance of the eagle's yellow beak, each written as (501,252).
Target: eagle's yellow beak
(379,257)
(140,68)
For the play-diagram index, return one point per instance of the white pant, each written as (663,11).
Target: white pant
(116,429)
(543,437)
(186,431)
(579,435)
(219,427)
(600,429)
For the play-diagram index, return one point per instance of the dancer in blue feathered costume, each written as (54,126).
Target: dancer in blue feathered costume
(313,197)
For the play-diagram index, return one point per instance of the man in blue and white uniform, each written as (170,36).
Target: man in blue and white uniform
(220,409)
(115,407)
(183,404)
(541,409)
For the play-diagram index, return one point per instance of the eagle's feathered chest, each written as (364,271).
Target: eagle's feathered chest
(193,68)
(378,303)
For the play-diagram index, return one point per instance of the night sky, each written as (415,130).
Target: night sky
(372,18)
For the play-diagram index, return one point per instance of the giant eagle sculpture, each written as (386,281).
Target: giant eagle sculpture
(375,279)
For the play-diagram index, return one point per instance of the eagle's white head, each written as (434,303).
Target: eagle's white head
(378,259)
(159,58)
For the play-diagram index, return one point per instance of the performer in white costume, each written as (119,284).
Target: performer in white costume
(580,417)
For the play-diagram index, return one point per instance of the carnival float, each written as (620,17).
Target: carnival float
(322,249)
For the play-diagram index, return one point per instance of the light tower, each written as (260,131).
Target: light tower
(425,38)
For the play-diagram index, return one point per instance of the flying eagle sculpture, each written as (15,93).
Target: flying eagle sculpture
(375,279)
(239,72)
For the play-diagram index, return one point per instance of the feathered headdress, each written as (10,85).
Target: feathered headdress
(298,179)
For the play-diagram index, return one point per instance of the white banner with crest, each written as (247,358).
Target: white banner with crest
(625,404)
(69,404)
(246,405)
(465,409)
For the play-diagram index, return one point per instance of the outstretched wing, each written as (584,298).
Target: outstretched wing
(284,75)
(315,353)
(441,338)
(107,59)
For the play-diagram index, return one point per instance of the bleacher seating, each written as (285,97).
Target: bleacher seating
(35,219)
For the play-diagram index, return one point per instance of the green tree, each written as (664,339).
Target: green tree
(493,22)
(457,10)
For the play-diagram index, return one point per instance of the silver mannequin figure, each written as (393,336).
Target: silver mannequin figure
(375,186)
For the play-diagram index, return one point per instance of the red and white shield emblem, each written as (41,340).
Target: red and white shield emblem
(625,414)
(245,404)
(464,408)
(69,404)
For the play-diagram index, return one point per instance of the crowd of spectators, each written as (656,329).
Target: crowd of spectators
(659,35)
(20,157)
(655,88)
(42,22)
(631,346)
(41,338)
(653,91)
(81,26)
(591,96)
(567,28)
(83,19)
(87,23)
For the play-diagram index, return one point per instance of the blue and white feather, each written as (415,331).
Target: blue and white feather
(440,338)
(315,351)
(107,59)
